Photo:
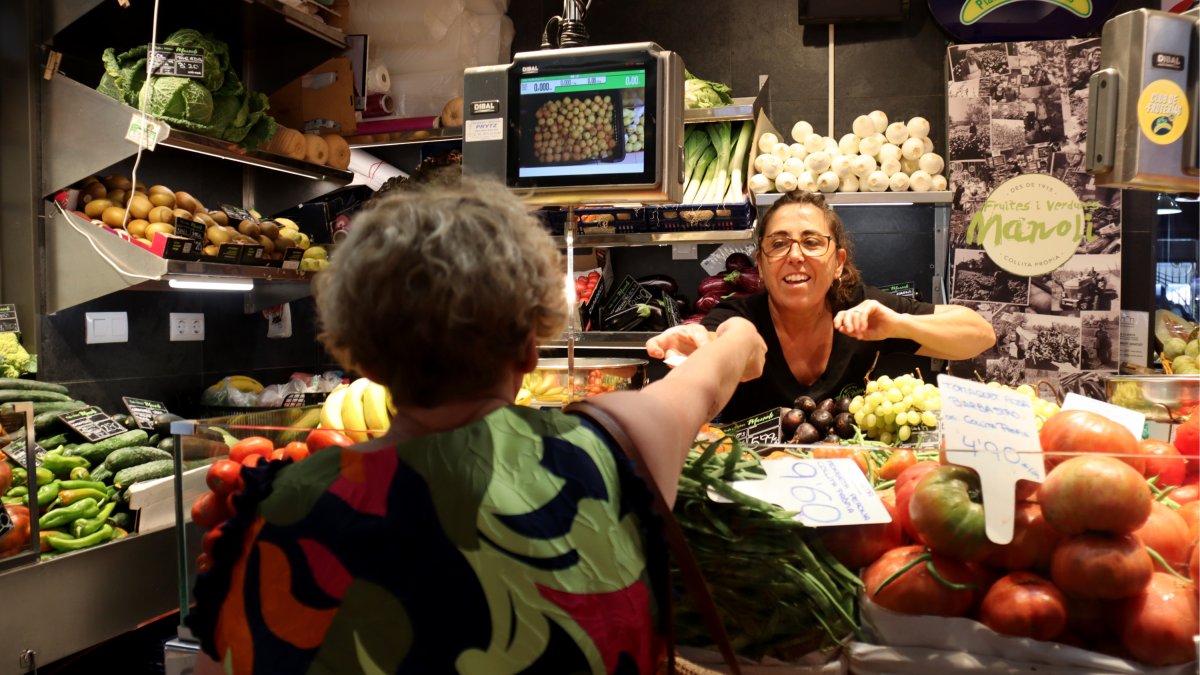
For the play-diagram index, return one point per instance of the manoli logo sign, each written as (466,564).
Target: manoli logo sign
(975,10)
(1031,224)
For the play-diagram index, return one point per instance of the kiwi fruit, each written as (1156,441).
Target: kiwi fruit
(249,228)
(161,214)
(137,227)
(161,189)
(211,250)
(185,201)
(117,195)
(204,219)
(145,241)
(140,187)
(159,227)
(117,182)
(162,199)
(95,208)
(218,235)
(113,216)
(267,244)
(220,217)
(90,180)
(139,206)
(96,190)
(181,213)
(269,229)
(243,239)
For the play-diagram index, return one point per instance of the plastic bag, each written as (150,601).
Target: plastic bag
(225,394)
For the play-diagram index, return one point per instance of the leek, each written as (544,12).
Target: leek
(718,132)
(693,146)
(701,176)
(735,164)
(702,161)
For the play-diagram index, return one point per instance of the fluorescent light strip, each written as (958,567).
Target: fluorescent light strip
(212,285)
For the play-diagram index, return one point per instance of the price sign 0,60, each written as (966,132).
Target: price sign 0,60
(822,492)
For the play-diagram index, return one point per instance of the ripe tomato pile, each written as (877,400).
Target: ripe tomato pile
(585,285)
(1105,552)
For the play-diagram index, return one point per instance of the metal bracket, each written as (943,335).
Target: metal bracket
(52,60)
(28,661)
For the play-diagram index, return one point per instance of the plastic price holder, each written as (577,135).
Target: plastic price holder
(144,411)
(292,258)
(992,430)
(1132,420)
(16,450)
(92,423)
(822,492)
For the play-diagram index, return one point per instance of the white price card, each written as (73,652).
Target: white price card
(992,430)
(145,131)
(1132,420)
(822,492)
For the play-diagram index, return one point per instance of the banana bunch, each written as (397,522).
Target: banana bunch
(541,386)
(246,384)
(361,409)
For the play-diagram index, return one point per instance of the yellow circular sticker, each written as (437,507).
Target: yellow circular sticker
(1162,112)
(1030,224)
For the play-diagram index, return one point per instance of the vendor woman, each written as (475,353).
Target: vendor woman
(823,327)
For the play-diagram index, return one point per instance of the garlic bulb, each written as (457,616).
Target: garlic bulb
(794,165)
(817,162)
(920,181)
(814,143)
(806,181)
(896,133)
(898,182)
(932,163)
(913,148)
(889,151)
(759,183)
(877,181)
(841,166)
(869,146)
(928,144)
(801,130)
(849,184)
(785,182)
(939,183)
(863,165)
(879,120)
(797,151)
(863,126)
(890,167)
(918,127)
(828,182)
(767,141)
(771,166)
(848,145)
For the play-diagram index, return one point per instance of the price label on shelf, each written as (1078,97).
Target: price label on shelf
(237,213)
(17,451)
(145,131)
(992,430)
(144,411)
(1132,420)
(761,429)
(176,61)
(8,319)
(92,423)
(190,229)
(822,492)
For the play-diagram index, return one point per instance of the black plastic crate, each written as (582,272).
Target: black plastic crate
(702,217)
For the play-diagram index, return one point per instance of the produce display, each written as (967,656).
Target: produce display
(875,157)
(573,129)
(698,93)
(634,120)
(15,360)
(714,162)
(362,409)
(741,278)
(330,149)
(1180,342)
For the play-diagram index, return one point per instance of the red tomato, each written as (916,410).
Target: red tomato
(224,477)
(1025,605)
(1032,544)
(1157,625)
(208,511)
(1190,512)
(1092,620)
(1101,566)
(16,539)
(1188,492)
(946,509)
(896,463)
(857,546)
(297,450)
(203,563)
(1163,460)
(254,460)
(5,477)
(906,482)
(278,454)
(1187,436)
(917,590)
(253,445)
(1027,491)
(1194,562)
(319,439)
(209,538)
(1094,492)
(1166,532)
(837,451)
(1073,431)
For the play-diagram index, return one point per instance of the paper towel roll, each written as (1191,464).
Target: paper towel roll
(379,105)
(378,79)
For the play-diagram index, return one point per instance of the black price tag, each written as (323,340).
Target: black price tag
(178,247)
(176,61)
(190,229)
(292,258)
(92,423)
(252,254)
(294,400)
(16,450)
(904,289)
(627,294)
(229,253)
(144,411)
(238,214)
(6,522)
(8,319)
(762,429)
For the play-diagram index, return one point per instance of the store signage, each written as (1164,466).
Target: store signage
(1031,224)
(190,229)
(17,451)
(8,319)
(229,253)
(92,423)
(1010,20)
(762,429)
(821,492)
(292,258)
(145,131)
(992,430)
(489,107)
(905,289)
(177,61)
(237,213)
(144,411)
(1168,61)
(1162,112)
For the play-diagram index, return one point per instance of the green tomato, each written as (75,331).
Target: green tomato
(946,509)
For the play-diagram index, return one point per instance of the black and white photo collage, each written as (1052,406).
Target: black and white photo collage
(1021,108)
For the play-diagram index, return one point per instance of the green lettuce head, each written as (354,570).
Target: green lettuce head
(178,98)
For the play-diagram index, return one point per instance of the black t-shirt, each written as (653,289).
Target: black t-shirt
(849,360)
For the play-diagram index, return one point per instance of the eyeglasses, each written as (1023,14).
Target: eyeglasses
(812,244)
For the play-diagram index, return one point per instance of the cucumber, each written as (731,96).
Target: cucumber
(158,468)
(40,407)
(97,452)
(12,383)
(122,519)
(53,441)
(102,474)
(31,395)
(132,456)
(125,421)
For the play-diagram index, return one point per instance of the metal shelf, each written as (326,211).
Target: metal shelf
(606,339)
(656,238)
(193,142)
(415,137)
(742,109)
(869,198)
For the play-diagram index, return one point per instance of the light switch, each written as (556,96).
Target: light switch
(105,327)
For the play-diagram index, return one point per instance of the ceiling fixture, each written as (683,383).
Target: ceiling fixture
(1167,205)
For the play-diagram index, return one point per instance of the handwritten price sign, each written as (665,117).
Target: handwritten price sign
(822,492)
(992,430)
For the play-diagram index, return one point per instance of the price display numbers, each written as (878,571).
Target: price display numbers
(294,400)
(992,430)
(92,423)
(821,492)
(542,87)
(8,319)
(177,61)
(144,411)
(190,229)
(16,450)
(759,430)
(292,258)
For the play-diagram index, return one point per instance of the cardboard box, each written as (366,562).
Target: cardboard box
(296,106)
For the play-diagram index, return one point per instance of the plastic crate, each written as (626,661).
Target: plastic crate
(612,220)
(702,217)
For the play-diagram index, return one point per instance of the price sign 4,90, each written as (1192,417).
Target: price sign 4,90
(821,492)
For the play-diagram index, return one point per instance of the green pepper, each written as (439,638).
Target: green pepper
(66,543)
(85,526)
(68,497)
(82,485)
(80,473)
(15,501)
(20,476)
(17,491)
(44,475)
(47,493)
(61,466)
(84,508)
(119,533)
(111,492)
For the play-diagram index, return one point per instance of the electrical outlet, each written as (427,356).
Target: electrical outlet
(186,327)
(107,327)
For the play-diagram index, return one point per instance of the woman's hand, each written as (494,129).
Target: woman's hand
(740,329)
(683,339)
(868,321)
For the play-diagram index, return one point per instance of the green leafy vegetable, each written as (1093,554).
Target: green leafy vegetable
(698,93)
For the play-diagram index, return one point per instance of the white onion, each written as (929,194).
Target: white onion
(939,183)
(863,126)
(879,120)
(863,165)
(828,182)
(890,167)
(928,143)
(889,151)
(781,151)
(817,162)
(877,181)
(920,181)
(896,133)
(759,184)
(918,127)
(814,142)
(848,145)
(849,184)
(794,165)
(913,148)
(785,182)
(797,151)
(832,147)
(932,163)
(806,181)
(771,166)
(767,141)
(908,166)
(898,182)
(841,166)
(869,146)
(758,161)
(801,130)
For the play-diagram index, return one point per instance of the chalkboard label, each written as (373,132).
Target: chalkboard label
(144,411)
(16,450)
(92,423)
(177,61)
(252,254)
(190,229)
(230,253)
(8,319)
(906,289)
(237,214)
(294,400)
(292,258)
(762,429)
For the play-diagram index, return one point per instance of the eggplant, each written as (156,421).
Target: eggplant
(738,261)
(706,302)
(747,280)
(659,281)
(681,305)
(644,317)
(715,285)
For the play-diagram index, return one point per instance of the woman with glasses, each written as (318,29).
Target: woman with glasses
(822,325)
